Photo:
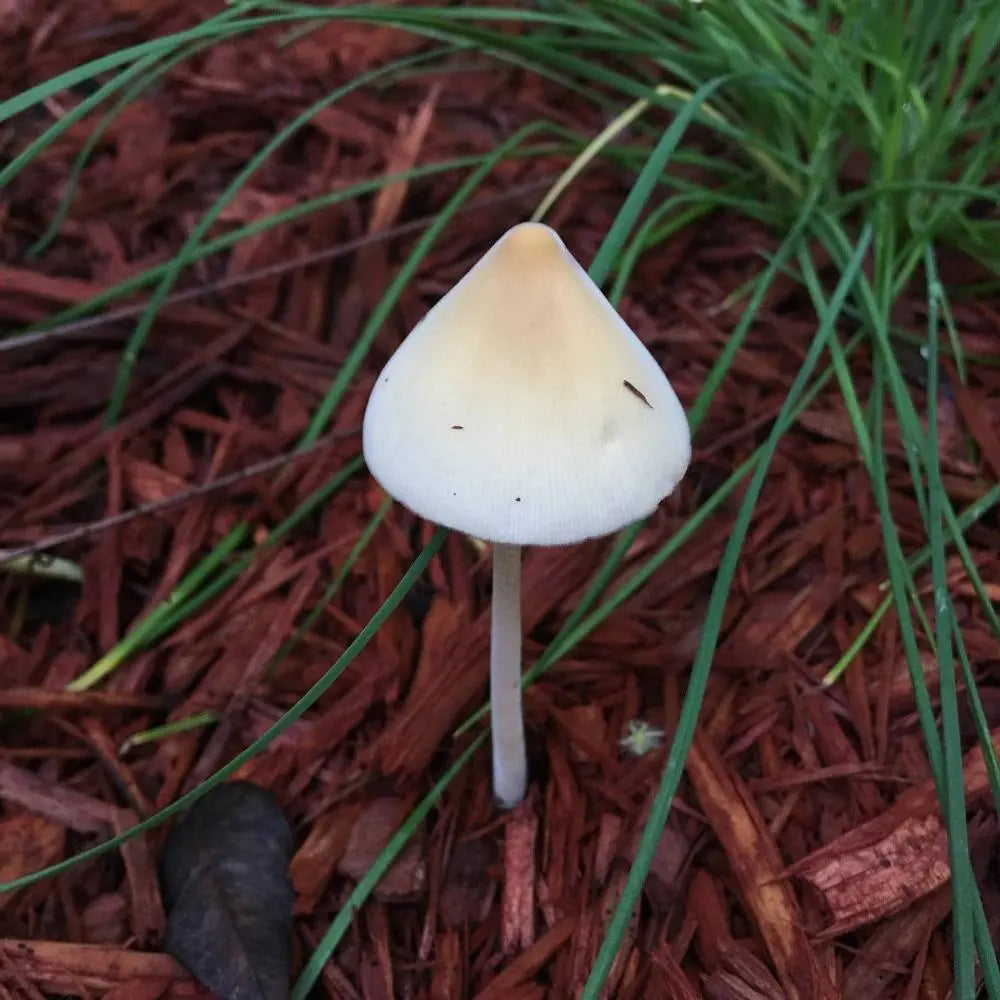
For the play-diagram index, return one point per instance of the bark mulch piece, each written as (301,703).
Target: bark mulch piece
(805,856)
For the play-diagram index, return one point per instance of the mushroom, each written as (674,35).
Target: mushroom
(522,410)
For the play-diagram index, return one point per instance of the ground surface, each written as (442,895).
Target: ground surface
(783,774)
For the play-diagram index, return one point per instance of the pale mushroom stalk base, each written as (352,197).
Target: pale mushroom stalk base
(510,768)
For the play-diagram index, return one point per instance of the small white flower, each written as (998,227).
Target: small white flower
(640,738)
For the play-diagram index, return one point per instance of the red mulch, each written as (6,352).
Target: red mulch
(805,856)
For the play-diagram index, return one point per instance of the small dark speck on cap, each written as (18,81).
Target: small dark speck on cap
(457,427)
(517,499)
(635,392)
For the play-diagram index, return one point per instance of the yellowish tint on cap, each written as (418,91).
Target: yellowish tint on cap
(523,409)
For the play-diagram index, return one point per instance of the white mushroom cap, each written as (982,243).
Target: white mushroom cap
(522,409)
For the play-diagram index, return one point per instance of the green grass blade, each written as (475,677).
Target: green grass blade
(962,880)
(569,637)
(402,278)
(156,733)
(262,742)
(982,725)
(151,627)
(196,589)
(219,26)
(187,252)
(142,81)
(706,649)
(342,921)
(334,585)
(230,239)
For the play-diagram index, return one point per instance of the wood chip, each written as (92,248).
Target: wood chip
(882,866)
(757,865)
(517,909)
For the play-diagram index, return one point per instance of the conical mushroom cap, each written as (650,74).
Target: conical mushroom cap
(522,408)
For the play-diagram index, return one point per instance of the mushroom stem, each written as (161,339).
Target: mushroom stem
(510,769)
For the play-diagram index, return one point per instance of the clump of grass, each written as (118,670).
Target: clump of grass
(854,129)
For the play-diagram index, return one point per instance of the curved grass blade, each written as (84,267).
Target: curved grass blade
(342,921)
(160,67)
(234,236)
(334,585)
(142,58)
(592,150)
(262,742)
(403,276)
(186,253)
(155,733)
(701,668)
(974,512)
(953,805)
(578,626)
(150,627)
(189,594)
(600,267)
(643,186)
(178,608)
